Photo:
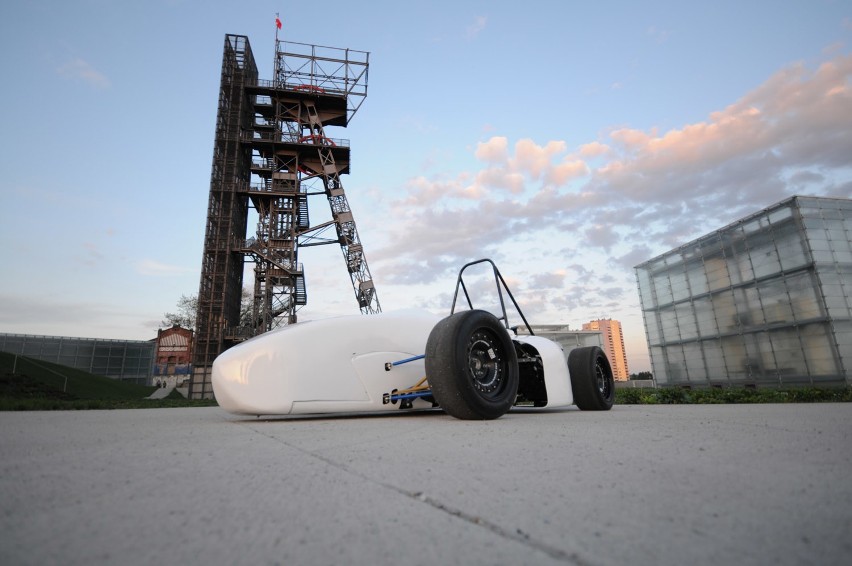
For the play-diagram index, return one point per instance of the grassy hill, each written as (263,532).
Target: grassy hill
(39,385)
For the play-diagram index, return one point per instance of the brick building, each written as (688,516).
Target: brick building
(173,355)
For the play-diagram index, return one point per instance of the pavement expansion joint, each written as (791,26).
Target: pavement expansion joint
(518,535)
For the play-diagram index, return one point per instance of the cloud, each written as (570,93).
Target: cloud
(495,150)
(61,317)
(552,280)
(475,28)
(658,35)
(534,159)
(593,149)
(157,269)
(78,69)
(92,256)
(612,203)
(796,120)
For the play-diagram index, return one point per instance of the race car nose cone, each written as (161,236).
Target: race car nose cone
(248,378)
(228,376)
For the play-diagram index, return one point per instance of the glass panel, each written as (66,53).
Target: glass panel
(717,273)
(697,278)
(652,327)
(739,263)
(726,312)
(694,362)
(87,350)
(791,247)
(50,350)
(823,256)
(764,256)
(837,307)
(705,317)
(789,361)
(736,357)
(803,296)
(751,226)
(676,366)
(680,291)
(644,282)
(663,289)
(668,324)
(764,366)
(818,350)
(31,348)
(819,243)
(837,235)
(843,338)
(748,306)
(686,321)
(830,214)
(776,302)
(715,360)
(658,364)
(780,215)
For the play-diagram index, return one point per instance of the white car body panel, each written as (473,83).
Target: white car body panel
(557,381)
(338,365)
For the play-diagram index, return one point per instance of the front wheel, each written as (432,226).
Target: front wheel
(471,366)
(591,379)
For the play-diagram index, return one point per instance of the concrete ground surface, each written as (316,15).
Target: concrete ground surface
(699,484)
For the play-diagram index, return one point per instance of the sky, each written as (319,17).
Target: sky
(567,141)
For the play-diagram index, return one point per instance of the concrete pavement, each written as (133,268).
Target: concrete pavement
(706,484)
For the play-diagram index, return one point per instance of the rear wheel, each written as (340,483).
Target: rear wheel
(591,379)
(471,366)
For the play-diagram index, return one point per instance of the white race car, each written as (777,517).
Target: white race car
(471,364)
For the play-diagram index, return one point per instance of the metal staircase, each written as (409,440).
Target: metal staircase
(271,155)
(293,159)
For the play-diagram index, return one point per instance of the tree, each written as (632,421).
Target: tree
(641,375)
(187,307)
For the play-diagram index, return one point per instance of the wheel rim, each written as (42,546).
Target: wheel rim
(602,380)
(486,363)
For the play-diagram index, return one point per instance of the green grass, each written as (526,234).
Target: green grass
(38,386)
(42,386)
(679,396)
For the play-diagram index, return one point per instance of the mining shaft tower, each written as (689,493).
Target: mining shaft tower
(271,154)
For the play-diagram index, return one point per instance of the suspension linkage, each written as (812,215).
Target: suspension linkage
(389,365)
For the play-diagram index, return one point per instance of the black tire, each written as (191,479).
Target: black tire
(471,366)
(591,379)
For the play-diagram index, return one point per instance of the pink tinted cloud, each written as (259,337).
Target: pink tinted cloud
(648,188)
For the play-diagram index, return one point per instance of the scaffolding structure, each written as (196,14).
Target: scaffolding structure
(271,154)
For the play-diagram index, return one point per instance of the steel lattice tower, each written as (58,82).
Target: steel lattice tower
(271,154)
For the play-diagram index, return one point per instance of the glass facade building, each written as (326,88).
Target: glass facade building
(120,359)
(765,301)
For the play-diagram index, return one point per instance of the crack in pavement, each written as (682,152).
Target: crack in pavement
(517,535)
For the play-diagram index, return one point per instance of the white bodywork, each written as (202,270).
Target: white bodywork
(338,365)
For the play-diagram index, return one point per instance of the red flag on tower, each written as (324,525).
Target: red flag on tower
(277,22)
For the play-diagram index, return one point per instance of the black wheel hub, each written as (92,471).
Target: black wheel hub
(485,362)
(601,379)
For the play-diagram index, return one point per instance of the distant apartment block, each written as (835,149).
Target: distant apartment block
(613,345)
(764,301)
